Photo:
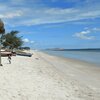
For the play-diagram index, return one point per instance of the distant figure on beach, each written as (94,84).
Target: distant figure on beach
(9,59)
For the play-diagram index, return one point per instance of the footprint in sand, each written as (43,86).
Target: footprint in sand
(37,58)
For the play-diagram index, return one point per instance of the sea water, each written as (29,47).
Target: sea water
(89,56)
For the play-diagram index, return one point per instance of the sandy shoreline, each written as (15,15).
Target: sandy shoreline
(45,77)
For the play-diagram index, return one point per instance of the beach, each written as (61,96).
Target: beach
(46,77)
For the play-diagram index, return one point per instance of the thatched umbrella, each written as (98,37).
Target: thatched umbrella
(2,31)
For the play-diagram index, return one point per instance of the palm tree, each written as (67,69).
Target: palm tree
(12,40)
(2,31)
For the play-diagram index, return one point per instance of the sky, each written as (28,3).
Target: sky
(53,23)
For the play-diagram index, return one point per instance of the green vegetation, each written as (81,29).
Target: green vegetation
(12,40)
(24,48)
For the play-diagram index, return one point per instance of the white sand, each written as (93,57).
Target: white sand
(44,77)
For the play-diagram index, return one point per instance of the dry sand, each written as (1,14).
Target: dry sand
(45,77)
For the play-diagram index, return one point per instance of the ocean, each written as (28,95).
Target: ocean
(88,56)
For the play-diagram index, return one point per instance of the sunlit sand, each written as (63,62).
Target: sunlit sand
(45,77)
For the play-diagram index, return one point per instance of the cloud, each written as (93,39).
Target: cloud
(96,29)
(86,34)
(26,13)
(32,42)
(59,11)
(26,40)
(11,15)
(83,35)
(54,15)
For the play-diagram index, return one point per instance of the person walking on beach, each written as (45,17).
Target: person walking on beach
(9,59)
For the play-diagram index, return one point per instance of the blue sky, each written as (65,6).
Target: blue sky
(54,23)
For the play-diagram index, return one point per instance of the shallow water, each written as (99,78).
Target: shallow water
(89,56)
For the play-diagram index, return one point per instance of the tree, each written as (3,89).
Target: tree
(24,48)
(12,40)
(2,31)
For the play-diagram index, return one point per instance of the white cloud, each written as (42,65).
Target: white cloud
(83,35)
(87,34)
(52,15)
(59,11)
(90,14)
(26,40)
(36,14)
(96,29)
(32,42)
(11,15)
